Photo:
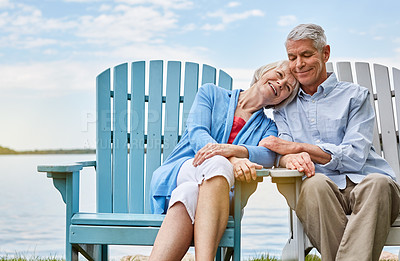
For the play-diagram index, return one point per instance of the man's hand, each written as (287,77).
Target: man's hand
(279,145)
(300,161)
(244,169)
(284,147)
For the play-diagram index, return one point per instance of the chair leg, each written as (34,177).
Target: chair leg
(219,254)
(102,253)
(71,254)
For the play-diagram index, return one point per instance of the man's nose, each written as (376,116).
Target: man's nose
(299,62)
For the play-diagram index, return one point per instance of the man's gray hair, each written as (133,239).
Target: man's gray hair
(308,31)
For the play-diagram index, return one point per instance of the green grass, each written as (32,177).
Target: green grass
(22,257)
(267,257)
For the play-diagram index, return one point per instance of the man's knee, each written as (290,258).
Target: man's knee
(375,184)
(318,183)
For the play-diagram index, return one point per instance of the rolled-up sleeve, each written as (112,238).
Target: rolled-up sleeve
(260,154)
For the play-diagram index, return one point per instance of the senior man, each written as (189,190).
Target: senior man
(327,132)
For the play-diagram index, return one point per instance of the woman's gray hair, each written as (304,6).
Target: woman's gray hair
(265,68)
(308,31)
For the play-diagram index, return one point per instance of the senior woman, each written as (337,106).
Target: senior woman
(219,144)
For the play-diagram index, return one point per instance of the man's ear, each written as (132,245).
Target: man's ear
(326,52)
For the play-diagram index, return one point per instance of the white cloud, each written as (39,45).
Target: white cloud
(233,4)
(287,20)
(83,1)
(167,4)
(59,76)
(4,3)
(127,24)
(24,26)
(228,18)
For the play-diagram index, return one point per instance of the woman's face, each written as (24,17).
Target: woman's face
(276,85)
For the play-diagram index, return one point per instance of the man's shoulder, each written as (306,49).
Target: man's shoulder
(351,88)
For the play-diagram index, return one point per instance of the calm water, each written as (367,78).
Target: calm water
(32,212)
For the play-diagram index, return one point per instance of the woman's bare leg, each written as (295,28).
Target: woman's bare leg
(211,217)
(175,235)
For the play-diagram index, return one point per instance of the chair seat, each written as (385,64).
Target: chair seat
(124,219)
(124,229)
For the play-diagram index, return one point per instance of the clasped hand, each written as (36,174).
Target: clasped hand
(243,168)
(291,159)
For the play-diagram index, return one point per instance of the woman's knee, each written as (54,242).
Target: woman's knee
(218,166)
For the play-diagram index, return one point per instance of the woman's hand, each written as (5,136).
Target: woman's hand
(300,161)
(244,169)
(212,149)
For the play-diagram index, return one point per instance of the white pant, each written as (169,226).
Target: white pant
(190,177)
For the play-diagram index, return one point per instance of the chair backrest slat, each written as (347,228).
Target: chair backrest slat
(396,87)
(364,78)
(153,149)
(329,67)
(171,122)
(103,151)
(190,89)
(386,114)
(344,71)
(137,137)
(225,81)
(209,74)
(120,142)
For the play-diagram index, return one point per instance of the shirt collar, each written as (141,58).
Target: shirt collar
(324,89)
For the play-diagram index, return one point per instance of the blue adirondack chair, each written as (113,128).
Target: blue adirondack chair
(135,132)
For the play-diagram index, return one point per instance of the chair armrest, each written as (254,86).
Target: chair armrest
(278,173)
(285,173)
(66,181)
(85,164)
(288,183)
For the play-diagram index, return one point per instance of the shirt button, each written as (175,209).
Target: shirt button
(317,141)
(312,120)
(313,101)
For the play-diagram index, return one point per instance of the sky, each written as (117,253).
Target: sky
(52,50)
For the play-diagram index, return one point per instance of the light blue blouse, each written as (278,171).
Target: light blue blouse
(338,118)
(210,121)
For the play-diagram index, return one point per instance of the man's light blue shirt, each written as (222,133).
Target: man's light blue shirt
(338,118)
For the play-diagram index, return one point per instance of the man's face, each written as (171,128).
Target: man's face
(307,64)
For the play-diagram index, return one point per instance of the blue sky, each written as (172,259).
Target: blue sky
(51,51)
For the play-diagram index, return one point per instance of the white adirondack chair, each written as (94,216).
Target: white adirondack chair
(384,84)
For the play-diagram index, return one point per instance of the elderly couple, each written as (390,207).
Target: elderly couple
(325,130)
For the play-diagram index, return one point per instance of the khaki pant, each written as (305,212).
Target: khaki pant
(373,205)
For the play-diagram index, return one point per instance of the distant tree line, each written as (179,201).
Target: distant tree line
(7,151)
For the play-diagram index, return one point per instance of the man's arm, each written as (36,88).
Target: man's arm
(284,147)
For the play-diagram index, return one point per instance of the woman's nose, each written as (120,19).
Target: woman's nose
(281,83)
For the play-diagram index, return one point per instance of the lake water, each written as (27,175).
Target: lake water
(32,219)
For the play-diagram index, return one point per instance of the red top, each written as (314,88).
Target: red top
(237,125)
